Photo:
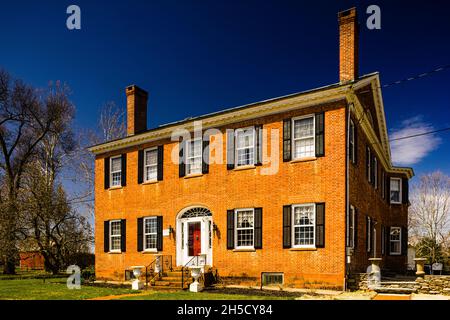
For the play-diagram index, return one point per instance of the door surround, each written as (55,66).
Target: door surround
(189,215)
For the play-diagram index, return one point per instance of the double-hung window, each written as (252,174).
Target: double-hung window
(303,222)
(396,190)
(351,142)
(395,238)
(194,156)
(303,137)
(150,233)
(116,171)
(245,228)
(151,164)
(245,146)
(115,235)
(351,227)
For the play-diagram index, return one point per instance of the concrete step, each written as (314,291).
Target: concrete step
(395,290)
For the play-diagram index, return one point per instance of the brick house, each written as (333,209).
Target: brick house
(299,189)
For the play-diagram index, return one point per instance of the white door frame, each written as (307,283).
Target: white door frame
(182,251)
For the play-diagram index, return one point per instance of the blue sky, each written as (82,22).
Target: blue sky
(196,57)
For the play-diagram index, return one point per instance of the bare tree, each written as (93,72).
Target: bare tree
(26,118)
(429,216)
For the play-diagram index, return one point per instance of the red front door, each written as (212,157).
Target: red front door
(195,246)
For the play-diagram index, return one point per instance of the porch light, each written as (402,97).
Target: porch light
(170,229)
(215,228)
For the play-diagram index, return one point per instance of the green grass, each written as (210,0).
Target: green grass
(52,289)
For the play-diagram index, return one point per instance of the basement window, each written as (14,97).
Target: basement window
(272,279)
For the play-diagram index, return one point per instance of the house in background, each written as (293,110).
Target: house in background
(31,260)
(335,201)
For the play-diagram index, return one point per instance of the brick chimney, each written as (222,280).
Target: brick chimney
(348,45)
(136,110)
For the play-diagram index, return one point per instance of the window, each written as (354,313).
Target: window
(383,237)
(270,278)
(395,238)
(369,234)
(115,235)
(351,227)
(245,146)
(116,171)
(151,164)
(303,222)
(369,167)
(375,173)
(351,146)
(303,137)
(194,156)
(396,190)
(244,228)
(150,233)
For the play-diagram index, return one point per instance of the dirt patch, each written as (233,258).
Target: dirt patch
(256,292)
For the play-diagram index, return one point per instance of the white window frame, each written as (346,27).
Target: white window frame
(352,142)
(236,154)
(369,165)
(375,172)
(115,236)
(236,211)
(399,191)
(351,230)
(303,138)
(150,233)
(111,172)
(313,205)
(146,179)
(188,146)
(399,241)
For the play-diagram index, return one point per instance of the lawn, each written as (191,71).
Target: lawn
(52,289)
(56,289)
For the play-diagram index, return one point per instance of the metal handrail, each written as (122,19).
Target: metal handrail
(163,260)
(189,264)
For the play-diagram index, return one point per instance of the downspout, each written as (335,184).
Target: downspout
(347,196)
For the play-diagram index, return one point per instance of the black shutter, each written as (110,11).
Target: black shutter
(160,166)
(368,235)
(320,134)
(287,152)
(123,235)
(372,170)
(258,228)
(230,229)
(124,170)
(388,240)
(106,236)
(107,160)
(355,155)
(405,190)
(383,240)
(259,144)
(140,234)
(355,240)
(388,189)
(404,236)
(159,237)
(205,156)
(182,157)
(140,166)
(230,149)
(368,163)
(287,225)
(320,225)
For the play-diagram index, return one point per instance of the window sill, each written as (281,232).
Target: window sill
(147,251)
(303,159)
(115,252)
(194,175)
(150,182)
(304,249)
(396,202)
(245,250)
(115,188)
(247,167)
